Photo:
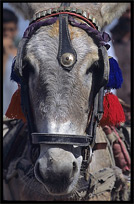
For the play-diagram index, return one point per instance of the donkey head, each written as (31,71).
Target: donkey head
(61,100)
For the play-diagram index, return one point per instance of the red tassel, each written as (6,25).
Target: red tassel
(14,110)
(113,111)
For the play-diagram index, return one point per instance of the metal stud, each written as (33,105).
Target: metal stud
(67,59)
(34,17)
(54,10)
(67,8)
(49,11)
(79,11)
(73,10)
(43,13)
(94,21)
(90,17)
(37,15)
(85,14)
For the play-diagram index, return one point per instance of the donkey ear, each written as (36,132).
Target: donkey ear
(24,9)
(110,11)
(27,10)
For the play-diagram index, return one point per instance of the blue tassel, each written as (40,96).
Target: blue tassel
(13,75)
(115,75)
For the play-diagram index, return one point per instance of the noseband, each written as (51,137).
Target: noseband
(67,57)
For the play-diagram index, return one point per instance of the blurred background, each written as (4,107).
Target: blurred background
(22,24)
(14,26)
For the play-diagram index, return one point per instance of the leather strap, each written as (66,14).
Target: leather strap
(101,145)
(25,102)
(100,103)
(65,45)
(42,138)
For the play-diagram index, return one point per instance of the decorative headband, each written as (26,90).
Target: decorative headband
(69,10)
(102,38)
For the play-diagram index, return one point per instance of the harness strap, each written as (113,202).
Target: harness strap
(27,108)
(79,140)
(100,103)
(91,129)
(98,146)
(65,45)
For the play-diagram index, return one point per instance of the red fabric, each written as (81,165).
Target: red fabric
(14,110)
(113,111)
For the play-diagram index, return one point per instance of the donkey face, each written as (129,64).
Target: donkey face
(60,102)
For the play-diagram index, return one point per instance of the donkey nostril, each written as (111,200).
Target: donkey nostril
(74,166)
(38,173)
(51,159)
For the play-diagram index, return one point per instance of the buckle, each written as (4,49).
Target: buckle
(87,157)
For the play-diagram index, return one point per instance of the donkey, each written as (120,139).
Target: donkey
(65,67)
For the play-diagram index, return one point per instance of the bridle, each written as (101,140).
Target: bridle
(67,57)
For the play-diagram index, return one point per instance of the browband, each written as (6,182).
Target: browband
(84,15)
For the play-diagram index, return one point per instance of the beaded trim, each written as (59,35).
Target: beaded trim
(48,12)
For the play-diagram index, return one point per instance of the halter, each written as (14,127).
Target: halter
(67,58)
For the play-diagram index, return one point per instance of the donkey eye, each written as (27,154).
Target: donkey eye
(27,67)
(92,68)
(67,59)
